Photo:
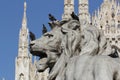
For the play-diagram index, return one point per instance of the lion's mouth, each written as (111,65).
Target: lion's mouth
(40,54)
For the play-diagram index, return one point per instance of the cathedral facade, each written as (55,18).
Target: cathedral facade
(106,18)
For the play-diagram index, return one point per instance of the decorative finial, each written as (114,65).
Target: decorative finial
(24,21)
(25,6)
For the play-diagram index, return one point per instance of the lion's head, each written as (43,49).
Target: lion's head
(51,41)
(49,44)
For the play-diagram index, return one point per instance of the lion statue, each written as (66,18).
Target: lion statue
(73,53)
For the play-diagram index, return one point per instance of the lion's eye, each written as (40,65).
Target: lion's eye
(48,35)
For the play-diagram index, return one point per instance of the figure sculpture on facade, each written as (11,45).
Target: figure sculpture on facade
(75,54)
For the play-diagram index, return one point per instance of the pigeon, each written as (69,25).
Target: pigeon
(52,18)
(74,16)
(44,30)
(32,36)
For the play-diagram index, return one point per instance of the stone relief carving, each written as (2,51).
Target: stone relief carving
(73,53)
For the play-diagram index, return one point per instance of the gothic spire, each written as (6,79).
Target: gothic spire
(24,21)
(23,60)
(83,7)
(68,9)
(84,11)
(23,35)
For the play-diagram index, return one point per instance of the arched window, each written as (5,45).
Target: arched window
(113,15)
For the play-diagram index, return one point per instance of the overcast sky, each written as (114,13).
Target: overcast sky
(11,13)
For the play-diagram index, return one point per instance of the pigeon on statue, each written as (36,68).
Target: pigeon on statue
(32,36)
(52,18)
(74,16)
(114,55)
(44,30)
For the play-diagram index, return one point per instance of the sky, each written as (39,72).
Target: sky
(11,13)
